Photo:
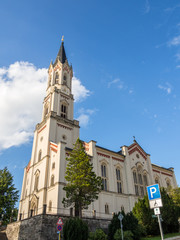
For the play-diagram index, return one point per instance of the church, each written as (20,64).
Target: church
(125,174)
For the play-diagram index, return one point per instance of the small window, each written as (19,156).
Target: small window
(39,155)
(53,165)
(106,209)
(36,183)
(64,80)
(52,180)
(63,111)
(57,78)
(46,110)
(122,208)
(50,206)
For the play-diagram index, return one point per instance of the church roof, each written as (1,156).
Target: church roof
(61,54)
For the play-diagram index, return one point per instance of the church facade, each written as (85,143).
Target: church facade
(125,174)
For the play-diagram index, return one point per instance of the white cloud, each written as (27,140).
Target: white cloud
(84,116)
(167,88)
(116,80)
(175,41)
(79,91)
(22,88)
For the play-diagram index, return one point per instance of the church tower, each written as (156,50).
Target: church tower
(44,176)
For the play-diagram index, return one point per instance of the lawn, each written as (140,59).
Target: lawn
(169,235)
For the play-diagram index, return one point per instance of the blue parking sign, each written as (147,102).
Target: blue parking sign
(153,192)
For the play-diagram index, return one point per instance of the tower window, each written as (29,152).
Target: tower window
(52,180)
(36,183)
(63,111)
(57,78)
(39,156)
(64,80)
(53,165)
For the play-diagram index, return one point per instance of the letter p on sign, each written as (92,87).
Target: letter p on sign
(153,192)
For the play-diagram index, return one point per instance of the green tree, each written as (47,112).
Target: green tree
(8,197)
(127,235)
(130,223)
(97,235)
(144,214)
(83,186)
(175,195)
(75,228)
(169,213)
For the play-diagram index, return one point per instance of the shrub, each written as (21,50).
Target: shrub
(98,235)
(130,223)
(75,228)
(127,235)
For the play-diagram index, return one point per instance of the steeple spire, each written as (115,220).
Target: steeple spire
(61,54)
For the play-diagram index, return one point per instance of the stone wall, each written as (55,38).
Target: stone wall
(43,227)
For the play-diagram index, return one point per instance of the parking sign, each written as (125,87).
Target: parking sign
(153,192)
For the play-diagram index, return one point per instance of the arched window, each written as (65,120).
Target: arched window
(104,176)
(119,182)
(156,180)
(39,155)
(50,206)
(140,181)
(56,77)
(36,182)
(64,79)
(106,208)
(135,183)
(141,187)
(168,183)
(52,180)
(63,111)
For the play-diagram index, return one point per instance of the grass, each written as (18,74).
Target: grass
(169,235)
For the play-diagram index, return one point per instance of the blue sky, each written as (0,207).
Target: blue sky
(126,62)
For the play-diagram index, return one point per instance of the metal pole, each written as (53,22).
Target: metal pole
(121,230)
(160,227)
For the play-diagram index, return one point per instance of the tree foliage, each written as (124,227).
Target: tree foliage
(127,235)
(83,186)
(169,213)
(175,195)
(130,223)
(8,197)
(97,235)
(75,228)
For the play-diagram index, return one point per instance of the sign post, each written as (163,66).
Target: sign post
(121,218)
(155,202)
(59,227)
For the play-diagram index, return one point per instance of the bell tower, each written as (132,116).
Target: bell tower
(44,176)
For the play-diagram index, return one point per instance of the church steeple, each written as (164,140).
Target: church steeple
(62,54)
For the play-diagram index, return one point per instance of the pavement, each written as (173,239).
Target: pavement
(173,238)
